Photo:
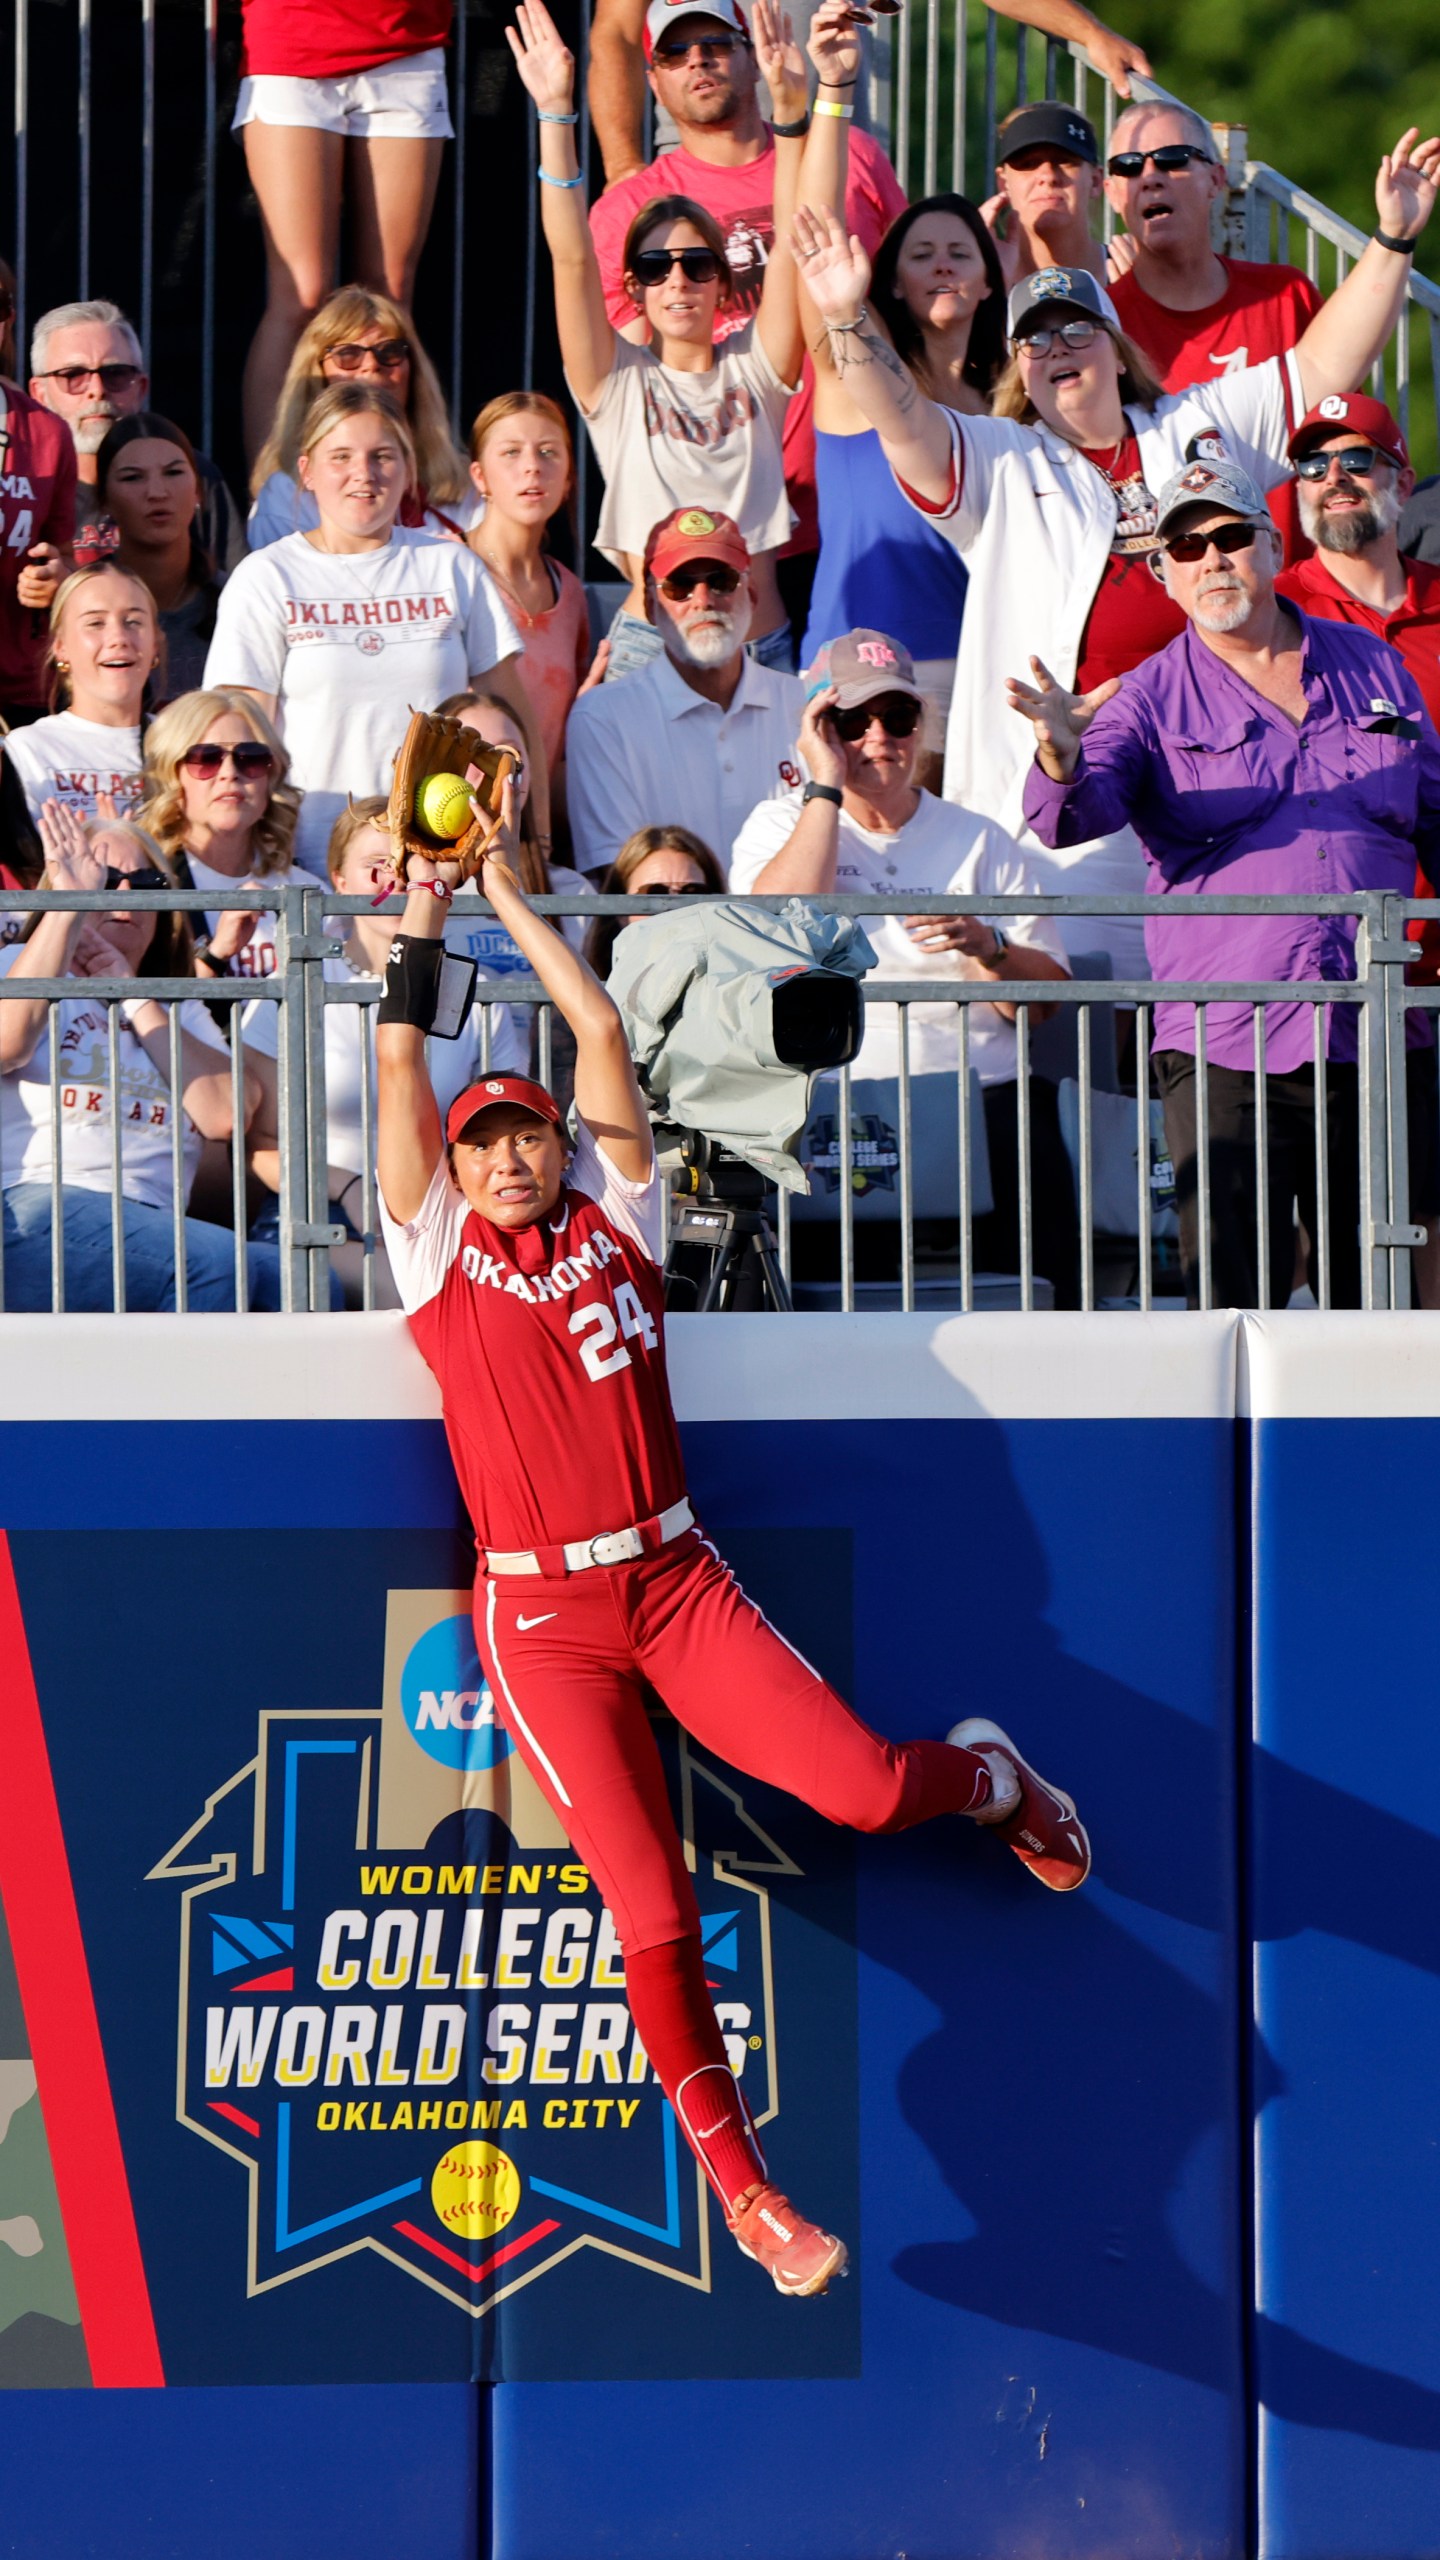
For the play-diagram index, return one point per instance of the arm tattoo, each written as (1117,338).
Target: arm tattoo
(855,348)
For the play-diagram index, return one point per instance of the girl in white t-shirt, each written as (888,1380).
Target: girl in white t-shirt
(359,864)
(100,1120)
(221,807)
(342,631)
(104,646)
(675,423)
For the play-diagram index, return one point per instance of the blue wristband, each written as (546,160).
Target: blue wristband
(544,116)
(547,181)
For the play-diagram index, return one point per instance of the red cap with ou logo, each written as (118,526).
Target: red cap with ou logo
(476,1099)
(1350,413)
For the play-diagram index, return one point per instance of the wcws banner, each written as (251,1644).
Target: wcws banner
(339,2205)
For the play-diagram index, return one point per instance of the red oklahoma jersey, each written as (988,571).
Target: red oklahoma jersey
(557,1405)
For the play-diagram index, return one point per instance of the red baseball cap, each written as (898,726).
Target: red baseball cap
(477,1098)
(1350,413)
(663,14)
(695,533)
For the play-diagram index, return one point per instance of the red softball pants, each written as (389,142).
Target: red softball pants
(569,1661)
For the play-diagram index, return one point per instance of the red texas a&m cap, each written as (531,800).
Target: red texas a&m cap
(477,1098)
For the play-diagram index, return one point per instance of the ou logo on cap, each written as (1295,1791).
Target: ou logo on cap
(494,1086)
(1333,406)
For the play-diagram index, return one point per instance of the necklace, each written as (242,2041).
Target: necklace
(512,592)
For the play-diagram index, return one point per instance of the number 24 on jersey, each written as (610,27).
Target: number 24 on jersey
(602,1332)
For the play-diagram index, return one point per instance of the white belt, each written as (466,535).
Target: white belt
(614,1546)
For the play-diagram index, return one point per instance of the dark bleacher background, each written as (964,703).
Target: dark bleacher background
(499,207)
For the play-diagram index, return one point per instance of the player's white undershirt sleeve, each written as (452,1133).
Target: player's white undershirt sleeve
(634,1207)
(422,1248)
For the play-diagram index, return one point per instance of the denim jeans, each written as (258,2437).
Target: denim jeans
(634,643)
(149,1257)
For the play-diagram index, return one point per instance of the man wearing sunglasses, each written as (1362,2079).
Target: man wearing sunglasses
(1260,754)
(703,732)
(1195,314)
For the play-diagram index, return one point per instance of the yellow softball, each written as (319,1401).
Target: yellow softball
(475,2190)
(442,805)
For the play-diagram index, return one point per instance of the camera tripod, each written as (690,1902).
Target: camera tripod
(722,1246)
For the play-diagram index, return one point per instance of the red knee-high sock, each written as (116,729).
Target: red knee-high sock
(678,2028)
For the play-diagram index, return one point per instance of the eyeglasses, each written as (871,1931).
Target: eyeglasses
(683,583)
(111,377)
(1226,538)
(662,889)
(390,355)
(1357,462)
(1071,334)
(250,758)
(899,717)
(1170,156)
(709,48)
(652,266)
(147,879)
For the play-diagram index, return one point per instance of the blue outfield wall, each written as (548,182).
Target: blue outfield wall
(318,2126)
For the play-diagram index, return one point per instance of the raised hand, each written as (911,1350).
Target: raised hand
(1406,184)
(818,744)
(781,62)
(833,265)
(1115,57)
(1060,718)
(71,859)
(500,852)
(833,44)
(1005,236)
(544,62)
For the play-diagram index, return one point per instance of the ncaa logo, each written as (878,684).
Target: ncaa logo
(446,1699)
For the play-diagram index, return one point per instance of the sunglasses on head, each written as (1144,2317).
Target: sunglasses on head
(1357,462)
(1073,334)
(389,355)
(717,48)
(1226,538)
(111,377)
(250,757)
(899,717)
(1171,155)
(662,889)
(150,878)
(682,583)
(652,266)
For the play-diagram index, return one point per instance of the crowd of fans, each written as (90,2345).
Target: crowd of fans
(956,553)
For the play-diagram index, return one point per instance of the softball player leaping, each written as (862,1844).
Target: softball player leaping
(530,1274)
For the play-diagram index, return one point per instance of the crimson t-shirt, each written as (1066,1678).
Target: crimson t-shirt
(325,39)
(1131,616)
(549,1346)
(37,504)
(742,202)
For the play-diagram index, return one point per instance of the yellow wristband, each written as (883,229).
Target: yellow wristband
(827,107)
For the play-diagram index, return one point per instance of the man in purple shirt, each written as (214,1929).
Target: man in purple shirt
(1259,754)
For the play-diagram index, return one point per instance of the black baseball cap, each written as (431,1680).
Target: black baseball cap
(1035,295)
(1049,120)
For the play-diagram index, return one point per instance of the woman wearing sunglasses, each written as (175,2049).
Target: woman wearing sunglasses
(126,941)
(1051,501)
(675,422)
(105,646)
(218,804)
(359,336)
(657,862)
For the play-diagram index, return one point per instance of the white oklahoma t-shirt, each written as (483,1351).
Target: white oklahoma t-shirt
(26,1152)
(74,760)
(942,849)
(350,643)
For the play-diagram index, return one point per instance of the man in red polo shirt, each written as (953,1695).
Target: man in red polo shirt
(531,1274)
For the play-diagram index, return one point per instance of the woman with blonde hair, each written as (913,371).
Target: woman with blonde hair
(219,805)
(523,467)
(105,645)
(656,862)
(359,336)
(338,631)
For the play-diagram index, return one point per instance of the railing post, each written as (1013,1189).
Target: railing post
(1375,1223)
(1397,1117)
(295,1134)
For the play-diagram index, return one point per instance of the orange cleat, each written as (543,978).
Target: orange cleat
(798,2254)
(1039,1821)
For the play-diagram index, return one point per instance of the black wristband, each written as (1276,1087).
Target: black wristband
(793,132)
(412,982)
(1402,248)
(822,791)
(221,968)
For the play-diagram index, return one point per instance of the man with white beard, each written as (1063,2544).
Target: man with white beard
(701,735)
(1260,754)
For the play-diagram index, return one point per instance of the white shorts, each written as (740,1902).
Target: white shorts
(403,100)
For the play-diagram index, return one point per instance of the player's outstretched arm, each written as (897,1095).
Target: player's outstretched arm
(607,1090)
(411,1139)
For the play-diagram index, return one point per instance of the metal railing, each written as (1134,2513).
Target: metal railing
(952,1272)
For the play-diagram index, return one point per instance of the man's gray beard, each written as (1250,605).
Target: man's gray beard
(90,433)
(1352,533)
(1223,618)
(708,648)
